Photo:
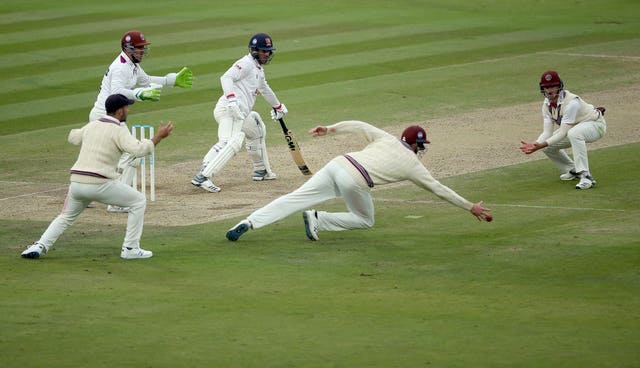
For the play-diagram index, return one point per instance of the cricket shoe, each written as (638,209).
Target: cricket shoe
(311,224)
(135,253)
(117,209)
(203,182)
(586,182)
(260,175)
(236,232)
(35,250)
(570,175)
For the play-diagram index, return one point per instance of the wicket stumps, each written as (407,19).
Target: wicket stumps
(140,132)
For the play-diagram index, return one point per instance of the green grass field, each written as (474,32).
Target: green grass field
(553,281)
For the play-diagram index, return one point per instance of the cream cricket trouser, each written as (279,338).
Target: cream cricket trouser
(577,138)
(112,192)
(332,181)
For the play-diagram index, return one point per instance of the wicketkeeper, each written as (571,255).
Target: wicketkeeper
(125,76)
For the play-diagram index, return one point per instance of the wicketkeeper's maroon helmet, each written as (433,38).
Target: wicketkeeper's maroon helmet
(132,40)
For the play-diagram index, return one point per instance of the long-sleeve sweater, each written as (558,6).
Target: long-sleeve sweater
(389,160)
(102,143)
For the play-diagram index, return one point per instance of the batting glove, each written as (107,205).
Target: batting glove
(149,94)
(234,108)
(279,112)
(184,78)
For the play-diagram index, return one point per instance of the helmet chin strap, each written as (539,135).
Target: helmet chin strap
(256,56)
(130,50)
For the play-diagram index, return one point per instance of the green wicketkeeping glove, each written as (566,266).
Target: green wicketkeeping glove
(149,94)
(184,78)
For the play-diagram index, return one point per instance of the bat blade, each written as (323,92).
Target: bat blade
(294,149)
(292,143)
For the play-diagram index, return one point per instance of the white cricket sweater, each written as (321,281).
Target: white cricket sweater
(102,143)
(389,160)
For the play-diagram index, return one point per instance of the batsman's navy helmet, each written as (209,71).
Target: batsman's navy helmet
(550,78)
(261,41)
(415,134)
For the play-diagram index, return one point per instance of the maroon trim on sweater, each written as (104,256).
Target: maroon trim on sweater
(107,120)
(361,169)
(88,173)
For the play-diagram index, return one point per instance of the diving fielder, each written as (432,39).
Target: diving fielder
(386,159)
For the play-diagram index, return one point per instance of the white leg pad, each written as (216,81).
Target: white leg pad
(256,146)
(224,155)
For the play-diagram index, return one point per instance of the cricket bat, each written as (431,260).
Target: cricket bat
(292,143)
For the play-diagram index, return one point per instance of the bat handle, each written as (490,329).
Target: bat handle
(283,126)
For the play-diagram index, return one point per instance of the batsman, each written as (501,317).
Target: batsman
(241,84)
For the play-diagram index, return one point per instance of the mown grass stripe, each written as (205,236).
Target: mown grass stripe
(180,43)
(75,62)
(343,88)
(19,110)
(357,66)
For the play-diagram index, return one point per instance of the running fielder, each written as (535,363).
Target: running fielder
(577,122)
(125,76)
(351,176)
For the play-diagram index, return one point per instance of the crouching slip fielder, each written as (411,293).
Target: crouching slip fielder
(241,84)
(384,160)
(578,123)
(94,177)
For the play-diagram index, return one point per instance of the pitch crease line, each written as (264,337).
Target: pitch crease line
(602,56)
(32,194)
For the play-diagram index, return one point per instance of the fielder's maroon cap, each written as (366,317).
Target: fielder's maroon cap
(550,78)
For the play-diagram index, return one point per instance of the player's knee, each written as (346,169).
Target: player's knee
(575,135)
(254,127)
(139,203)
(369,223)
(366,222)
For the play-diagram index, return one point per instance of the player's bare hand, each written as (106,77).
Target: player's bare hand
(480,212)
(165,129)
(527,147)
(318,131)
